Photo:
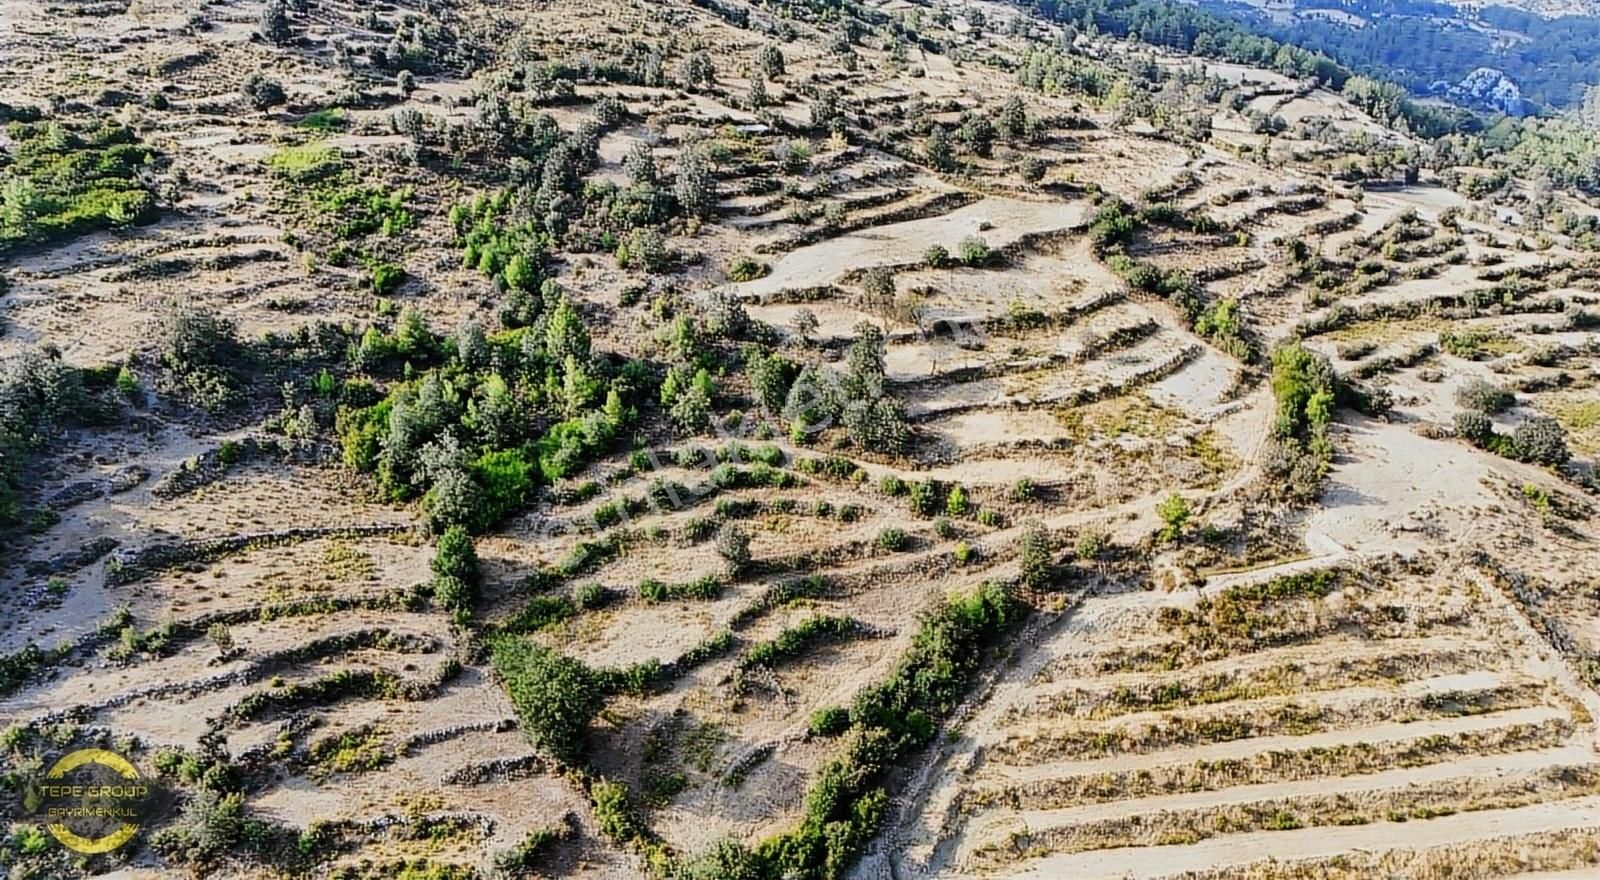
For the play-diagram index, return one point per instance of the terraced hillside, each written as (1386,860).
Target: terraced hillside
(780,440)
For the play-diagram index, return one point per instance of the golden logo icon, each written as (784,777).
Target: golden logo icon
(93,800)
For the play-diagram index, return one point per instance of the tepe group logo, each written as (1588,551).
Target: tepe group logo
(93,800)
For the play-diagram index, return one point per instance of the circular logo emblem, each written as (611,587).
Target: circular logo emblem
(93,800)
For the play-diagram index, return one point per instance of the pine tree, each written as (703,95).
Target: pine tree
(693,185)
(275,22)
(640,165)
(1014,118)
(771,62)
(565,335)
(937,150)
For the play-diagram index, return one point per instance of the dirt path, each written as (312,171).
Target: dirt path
(1314,653)
(1000,221)
(1244,748)
(1511,764)
(1315,843)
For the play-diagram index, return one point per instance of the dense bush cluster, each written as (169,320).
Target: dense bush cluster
(1536,440)
(201,354)
(39,395)
(1304,386)
(498,415)
(58,181)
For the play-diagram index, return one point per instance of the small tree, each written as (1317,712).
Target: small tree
(1174,513)
(609,112)
(804,323)
(698,70)
(693,185)
(640,165)
(1014,118)
(263,93)
(645,249)
(937,150)
(733,545)
(877,289)
(275,26)
(976,132)
(825,113)
(770,378)
(1540,440)
(472,346)
(691,409)
(1035,556)
(771,61)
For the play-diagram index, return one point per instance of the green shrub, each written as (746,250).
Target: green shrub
(455,570)
(1174,513)
(1540,440)
(746,269)
(956,503)
(305,163)
(538,613)
(387,278)
(1485,397)
(326,119)
(893,539)
(830,721)
(1090,545)
(1474,426)
(554,696)
(975,251)
(614,813)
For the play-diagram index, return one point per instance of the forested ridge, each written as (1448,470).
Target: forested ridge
(1418,44)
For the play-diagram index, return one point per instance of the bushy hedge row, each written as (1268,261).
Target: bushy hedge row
(888,723)
(798,639)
